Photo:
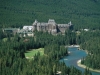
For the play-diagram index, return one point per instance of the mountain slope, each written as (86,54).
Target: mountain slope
(82,13)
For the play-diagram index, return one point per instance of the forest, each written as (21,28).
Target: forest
(17,13)
(13,61)
(93,49)
(82,13)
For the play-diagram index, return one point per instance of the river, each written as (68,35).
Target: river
(74,56)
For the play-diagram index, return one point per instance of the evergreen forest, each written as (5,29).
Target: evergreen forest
(13,61)
(84,14)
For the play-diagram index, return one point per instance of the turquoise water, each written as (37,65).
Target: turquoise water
(74,56)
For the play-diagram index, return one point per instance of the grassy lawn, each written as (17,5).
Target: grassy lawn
(31,53)
(4,39)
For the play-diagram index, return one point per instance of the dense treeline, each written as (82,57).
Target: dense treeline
(68,39)
(93,49)
(13,61)
(90,42)
(82,13)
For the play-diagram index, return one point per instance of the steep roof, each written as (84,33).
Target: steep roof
(51,21)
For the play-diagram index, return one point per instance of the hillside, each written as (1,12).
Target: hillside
(82,13)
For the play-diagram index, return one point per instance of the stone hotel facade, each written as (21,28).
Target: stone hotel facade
(51,26)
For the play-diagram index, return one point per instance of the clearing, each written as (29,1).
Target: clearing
(30,54)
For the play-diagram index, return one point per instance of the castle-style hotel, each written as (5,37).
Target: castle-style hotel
(51,26)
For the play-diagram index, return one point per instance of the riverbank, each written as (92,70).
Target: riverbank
(73,46)
(83,66)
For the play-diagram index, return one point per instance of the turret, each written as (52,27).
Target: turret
(35,22)
(35,25)
(70,23)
